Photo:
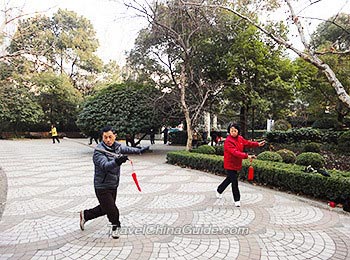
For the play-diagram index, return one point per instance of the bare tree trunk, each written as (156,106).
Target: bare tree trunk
(185,110)
(215,121)
(61,63)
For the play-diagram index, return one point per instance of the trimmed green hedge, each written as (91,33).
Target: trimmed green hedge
(326,123)
(219,150)
(281,175)
(312,148)
(314,159)
(344,142)
(269,156)
(297,135)
(204,162)
(206,149)
(294,135)
(288,156)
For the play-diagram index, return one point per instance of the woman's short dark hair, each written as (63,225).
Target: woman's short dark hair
(235,125)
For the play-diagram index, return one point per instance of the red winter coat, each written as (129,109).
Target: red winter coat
(233,151)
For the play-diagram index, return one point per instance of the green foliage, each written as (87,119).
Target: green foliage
(282,125)
(328,33)
(306,134)
(314,159)
(326,123)
(344,142)
(205,162)
(294,135)
(205,149)
(129,108)
(58,98)
(316,90)
(312,147)
(18,108)
(269,156)
(283,176)
(288,156)
(264,76)
(330,136)
(303,134)
(66,42)
(219,150)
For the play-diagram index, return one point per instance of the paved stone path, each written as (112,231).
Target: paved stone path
(176,216)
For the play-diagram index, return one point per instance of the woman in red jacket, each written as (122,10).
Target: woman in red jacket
(233,155)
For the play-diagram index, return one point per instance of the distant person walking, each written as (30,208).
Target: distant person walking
(165,132)
(54,134)
(152,135)
(213,135)
(233,155)
(94,136)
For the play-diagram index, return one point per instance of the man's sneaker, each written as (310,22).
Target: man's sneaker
(115,234)
(82,220)
(237,203)
(218,195)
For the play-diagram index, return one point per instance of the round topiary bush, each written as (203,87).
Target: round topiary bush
(281,125)
(344,142)
(326,123)
(269,156)
(206,149)
(314,159)
(312,147)
(288,156)
(131,109)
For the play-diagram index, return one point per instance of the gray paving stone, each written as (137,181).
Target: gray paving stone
(176,215)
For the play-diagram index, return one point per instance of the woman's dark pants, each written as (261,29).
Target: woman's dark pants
(231,178)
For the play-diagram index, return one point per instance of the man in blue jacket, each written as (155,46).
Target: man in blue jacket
(106,179)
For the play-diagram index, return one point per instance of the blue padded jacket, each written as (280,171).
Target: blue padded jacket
(107,172)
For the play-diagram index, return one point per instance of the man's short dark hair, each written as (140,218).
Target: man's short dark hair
(235,125)
(107,128)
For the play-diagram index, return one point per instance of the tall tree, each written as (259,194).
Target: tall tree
(10,13)
(58,99)
(330,40)
(262,79)
(308,53)
(65,43)
(130,107)
(169,46)
(19,110)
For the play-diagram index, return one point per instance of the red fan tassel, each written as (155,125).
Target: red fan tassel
(134,177)
(136,181)
(250,171)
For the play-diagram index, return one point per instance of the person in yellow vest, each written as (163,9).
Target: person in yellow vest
(54,134)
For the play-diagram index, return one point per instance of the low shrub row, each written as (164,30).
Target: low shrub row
(204,162)
(276,174)
(327,123)
(304,134)
(207,149)
(308,158)
(287,155)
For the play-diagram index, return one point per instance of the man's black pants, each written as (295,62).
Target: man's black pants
(231,178)
(106,198)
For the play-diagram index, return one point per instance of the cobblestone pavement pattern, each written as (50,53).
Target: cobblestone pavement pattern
(176,216)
